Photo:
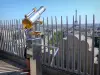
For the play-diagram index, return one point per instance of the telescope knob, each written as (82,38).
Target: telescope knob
(36,33)
(34,9)
(41,22)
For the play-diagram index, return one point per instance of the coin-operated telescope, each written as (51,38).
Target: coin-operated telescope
(31,54)
(32,19)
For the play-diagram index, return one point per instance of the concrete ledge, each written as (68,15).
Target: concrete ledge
(47,70)
(14,58)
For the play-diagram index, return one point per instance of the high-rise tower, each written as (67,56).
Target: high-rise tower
(76,22)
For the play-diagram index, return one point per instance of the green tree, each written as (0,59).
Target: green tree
(57,36)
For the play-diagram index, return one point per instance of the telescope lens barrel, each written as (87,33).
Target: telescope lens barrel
(29,14)
(32,17)
(35,16)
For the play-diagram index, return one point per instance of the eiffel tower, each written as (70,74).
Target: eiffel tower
(75,22)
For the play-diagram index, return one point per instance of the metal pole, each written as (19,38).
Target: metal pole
(34,54)
(98,69)
(37,56)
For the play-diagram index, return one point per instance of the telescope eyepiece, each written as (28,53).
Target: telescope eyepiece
(25,16)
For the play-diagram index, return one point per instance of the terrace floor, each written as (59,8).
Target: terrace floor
(8,66)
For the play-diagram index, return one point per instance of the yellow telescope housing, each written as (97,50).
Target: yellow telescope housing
(32,17)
